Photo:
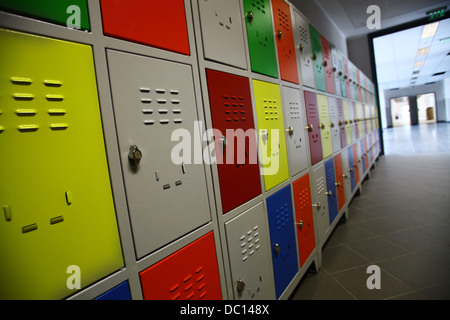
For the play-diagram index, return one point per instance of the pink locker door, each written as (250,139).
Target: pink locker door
(313,127)
(328,65)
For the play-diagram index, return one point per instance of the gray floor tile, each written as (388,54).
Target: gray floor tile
(340,258)
(381,226)
(439,292)
(377,249)
(323,288)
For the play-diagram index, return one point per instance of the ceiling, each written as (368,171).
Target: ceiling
(397,54)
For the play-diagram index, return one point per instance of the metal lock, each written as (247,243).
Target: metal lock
(224,141)
(310,127)
(337,184)
(317,205)
(290,131)
(300,224)
(135,155)
(322,126)
(300,47)
(314,56)
(265,136)
(334,69)
(240,285)
(280,34)
(329,193)
(276,248)
(250,16)
(332,124)
(345,176)
(325,63)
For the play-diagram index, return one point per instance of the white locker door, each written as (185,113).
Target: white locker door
(337,79)
(294,118)
(250,257)
(152,98)
(346,174)
(222,32)
(334,124)
(302,40)
(320,202)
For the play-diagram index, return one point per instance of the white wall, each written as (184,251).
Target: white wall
(322,23)
(447,97)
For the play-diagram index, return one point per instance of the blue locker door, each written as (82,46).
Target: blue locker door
(282,237)
(363,156)
(351,165)
(121,292)
(333,209)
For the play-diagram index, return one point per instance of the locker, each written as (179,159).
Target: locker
(356,162)
(150,112)
(363,158)
(359,117)
(331,190)
(287,58)
(348,132)
(134,20)
(304,218)
(55,192)
(325,129)
(249,254)
(347,78)
(342,74)
(336,70)
(320,202)
(334,124)
(190,273)
(282,238)
(327,65)
(354,117)
(361,164)
(261,43)
(313,127)
(351,168)
(366,119)
(342,126)
(353,87)
(121,292)
(340,188)
(352,124)
(222,32)
(231,109)
(48,10)
(369,148)
(272,140)
(303,45)
(316,46)
(347,173)
(294,115)
(359,84)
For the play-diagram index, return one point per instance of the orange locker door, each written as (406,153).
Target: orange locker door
(188,274)
(285,41)
(304,218)
(339,180)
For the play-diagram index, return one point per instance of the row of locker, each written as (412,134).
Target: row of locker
(298,217)
(49,111)
(297,44)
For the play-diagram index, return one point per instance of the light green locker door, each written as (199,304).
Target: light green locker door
(260,35)
(319,70)
(56,203)
(346,106)
(272,139)
(325,129)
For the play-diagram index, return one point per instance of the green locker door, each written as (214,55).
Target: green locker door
(272,139)
(260,35)
(54,11)
(319,70)
(56,204)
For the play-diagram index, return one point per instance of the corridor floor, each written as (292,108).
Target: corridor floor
(400,223)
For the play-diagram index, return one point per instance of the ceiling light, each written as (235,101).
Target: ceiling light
(445,40)
(418,64)
(429,30)
(416,72)
(423,51)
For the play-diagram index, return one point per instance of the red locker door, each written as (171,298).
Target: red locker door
(339,180)
(304,217)
(327,65)
(285,41)
(313,127)
(191,273)
(355,162)
(160,24)
(231,109)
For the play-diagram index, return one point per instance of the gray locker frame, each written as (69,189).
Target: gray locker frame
(99,43)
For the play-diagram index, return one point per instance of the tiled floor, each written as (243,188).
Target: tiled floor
(400,222)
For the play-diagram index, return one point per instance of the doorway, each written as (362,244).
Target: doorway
(426,107)
(400,111)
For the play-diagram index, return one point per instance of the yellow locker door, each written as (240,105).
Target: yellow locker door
(346,105)
(325,129)
(272,139)
(55,192)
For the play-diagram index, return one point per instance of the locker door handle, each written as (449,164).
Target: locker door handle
(310,127)
(224,141)
(300,224)
(322,126)
(337,184)
(265,136)
(330,193)
(135,155)
(332,124)
(276,248)
(317,205)
(250,16)
(325,63)
(300,47)
(280,34)
(290,131)
(240,285)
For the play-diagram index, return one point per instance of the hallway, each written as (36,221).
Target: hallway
(400,222)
